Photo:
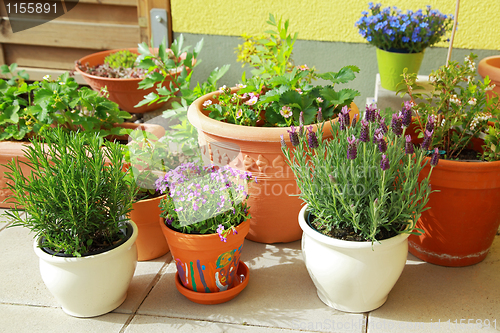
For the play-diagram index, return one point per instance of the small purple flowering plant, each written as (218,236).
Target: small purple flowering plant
(390,29)
(204,200)
(365,179)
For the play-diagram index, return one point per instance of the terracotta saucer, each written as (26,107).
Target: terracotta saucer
(219,297)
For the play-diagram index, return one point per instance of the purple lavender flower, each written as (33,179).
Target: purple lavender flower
(435,157)
(376,135)
(312,140)
(397,124)
(319,116)
(283,143)
(430,123)
(383,126)
(352,148)
(370,112)
(409,145)
(344,118)
(294,137)
(377,116)
(354,120)
(365,131)
(384,162)
(427,140)
(406,112)
(301,123)
(382,145)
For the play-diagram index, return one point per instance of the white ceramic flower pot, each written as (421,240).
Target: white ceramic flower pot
(93,285)
(352,276)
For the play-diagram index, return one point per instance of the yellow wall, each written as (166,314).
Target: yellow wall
(328,20)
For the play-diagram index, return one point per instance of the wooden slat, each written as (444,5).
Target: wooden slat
(43,56)
(2,55)
(91,13)
(111,2)
(74,34)
(37,74)
(143,9)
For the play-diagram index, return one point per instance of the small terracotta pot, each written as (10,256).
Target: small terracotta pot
(256,149)
(490,66)
(206,264)
(464,216)
(14,149)
(124,92)
(151,242)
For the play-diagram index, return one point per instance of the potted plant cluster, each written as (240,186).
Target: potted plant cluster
(239,126)
(129,83)
(362,200)
(76,199)
(401,38)
(27,109)
(465,213)
(149,157)
(205,216)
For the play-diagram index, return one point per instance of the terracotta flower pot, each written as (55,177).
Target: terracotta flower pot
(490,66)
(14,149)
(151,242)
(206,264)
(464,216)
(124,92)
(256,149)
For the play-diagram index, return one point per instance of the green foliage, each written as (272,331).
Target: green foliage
(349,187)
(76,194)
(26,109)
(492,142)
(458,104)
(123,59)
(278,92)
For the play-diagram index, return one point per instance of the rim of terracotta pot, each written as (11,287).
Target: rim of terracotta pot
(199,118)
(365,245)
(103,54)
(490,66)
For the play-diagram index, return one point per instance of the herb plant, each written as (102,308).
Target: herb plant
(363,184)
(204,200)
(76,195)
(26,109)
(122,58)
(458,107)
(278,92)
(390,29)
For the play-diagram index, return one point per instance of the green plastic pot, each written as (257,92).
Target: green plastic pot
(392,64)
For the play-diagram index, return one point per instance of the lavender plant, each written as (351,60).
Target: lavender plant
(363,184)
(390,29)
(204,200)
(456,110)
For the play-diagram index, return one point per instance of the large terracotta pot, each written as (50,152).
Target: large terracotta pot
(352,276)
(206,264)
(124,92)
(464,216)
(14,149)
(490,66)
(273,208)
(151,242)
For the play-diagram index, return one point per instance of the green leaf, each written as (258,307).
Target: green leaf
(148,99)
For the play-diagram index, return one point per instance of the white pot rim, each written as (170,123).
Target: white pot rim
(343,243)
(101,256)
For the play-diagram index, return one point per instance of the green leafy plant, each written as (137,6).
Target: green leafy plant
(204,200)
(26,109)
(278,93)
(76,194)
(390,29)
(458,106)
(492,142)
(122,58)
(363,184)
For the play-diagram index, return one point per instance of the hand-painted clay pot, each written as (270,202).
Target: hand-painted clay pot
(464,216)
(490,66)
(273,209)
(124,92)
(206,264)
(151,242)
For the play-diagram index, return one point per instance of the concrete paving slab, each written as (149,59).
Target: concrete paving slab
(431,298)
(280,294)
(4,220)
(152,324)
(21,318)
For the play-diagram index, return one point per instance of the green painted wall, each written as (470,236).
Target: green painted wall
(328,39)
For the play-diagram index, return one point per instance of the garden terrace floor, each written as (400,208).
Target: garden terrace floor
(280,297)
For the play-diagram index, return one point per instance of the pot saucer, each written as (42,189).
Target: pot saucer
(218,297)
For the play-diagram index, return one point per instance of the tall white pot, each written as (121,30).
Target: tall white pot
(352,276)
(93,285)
